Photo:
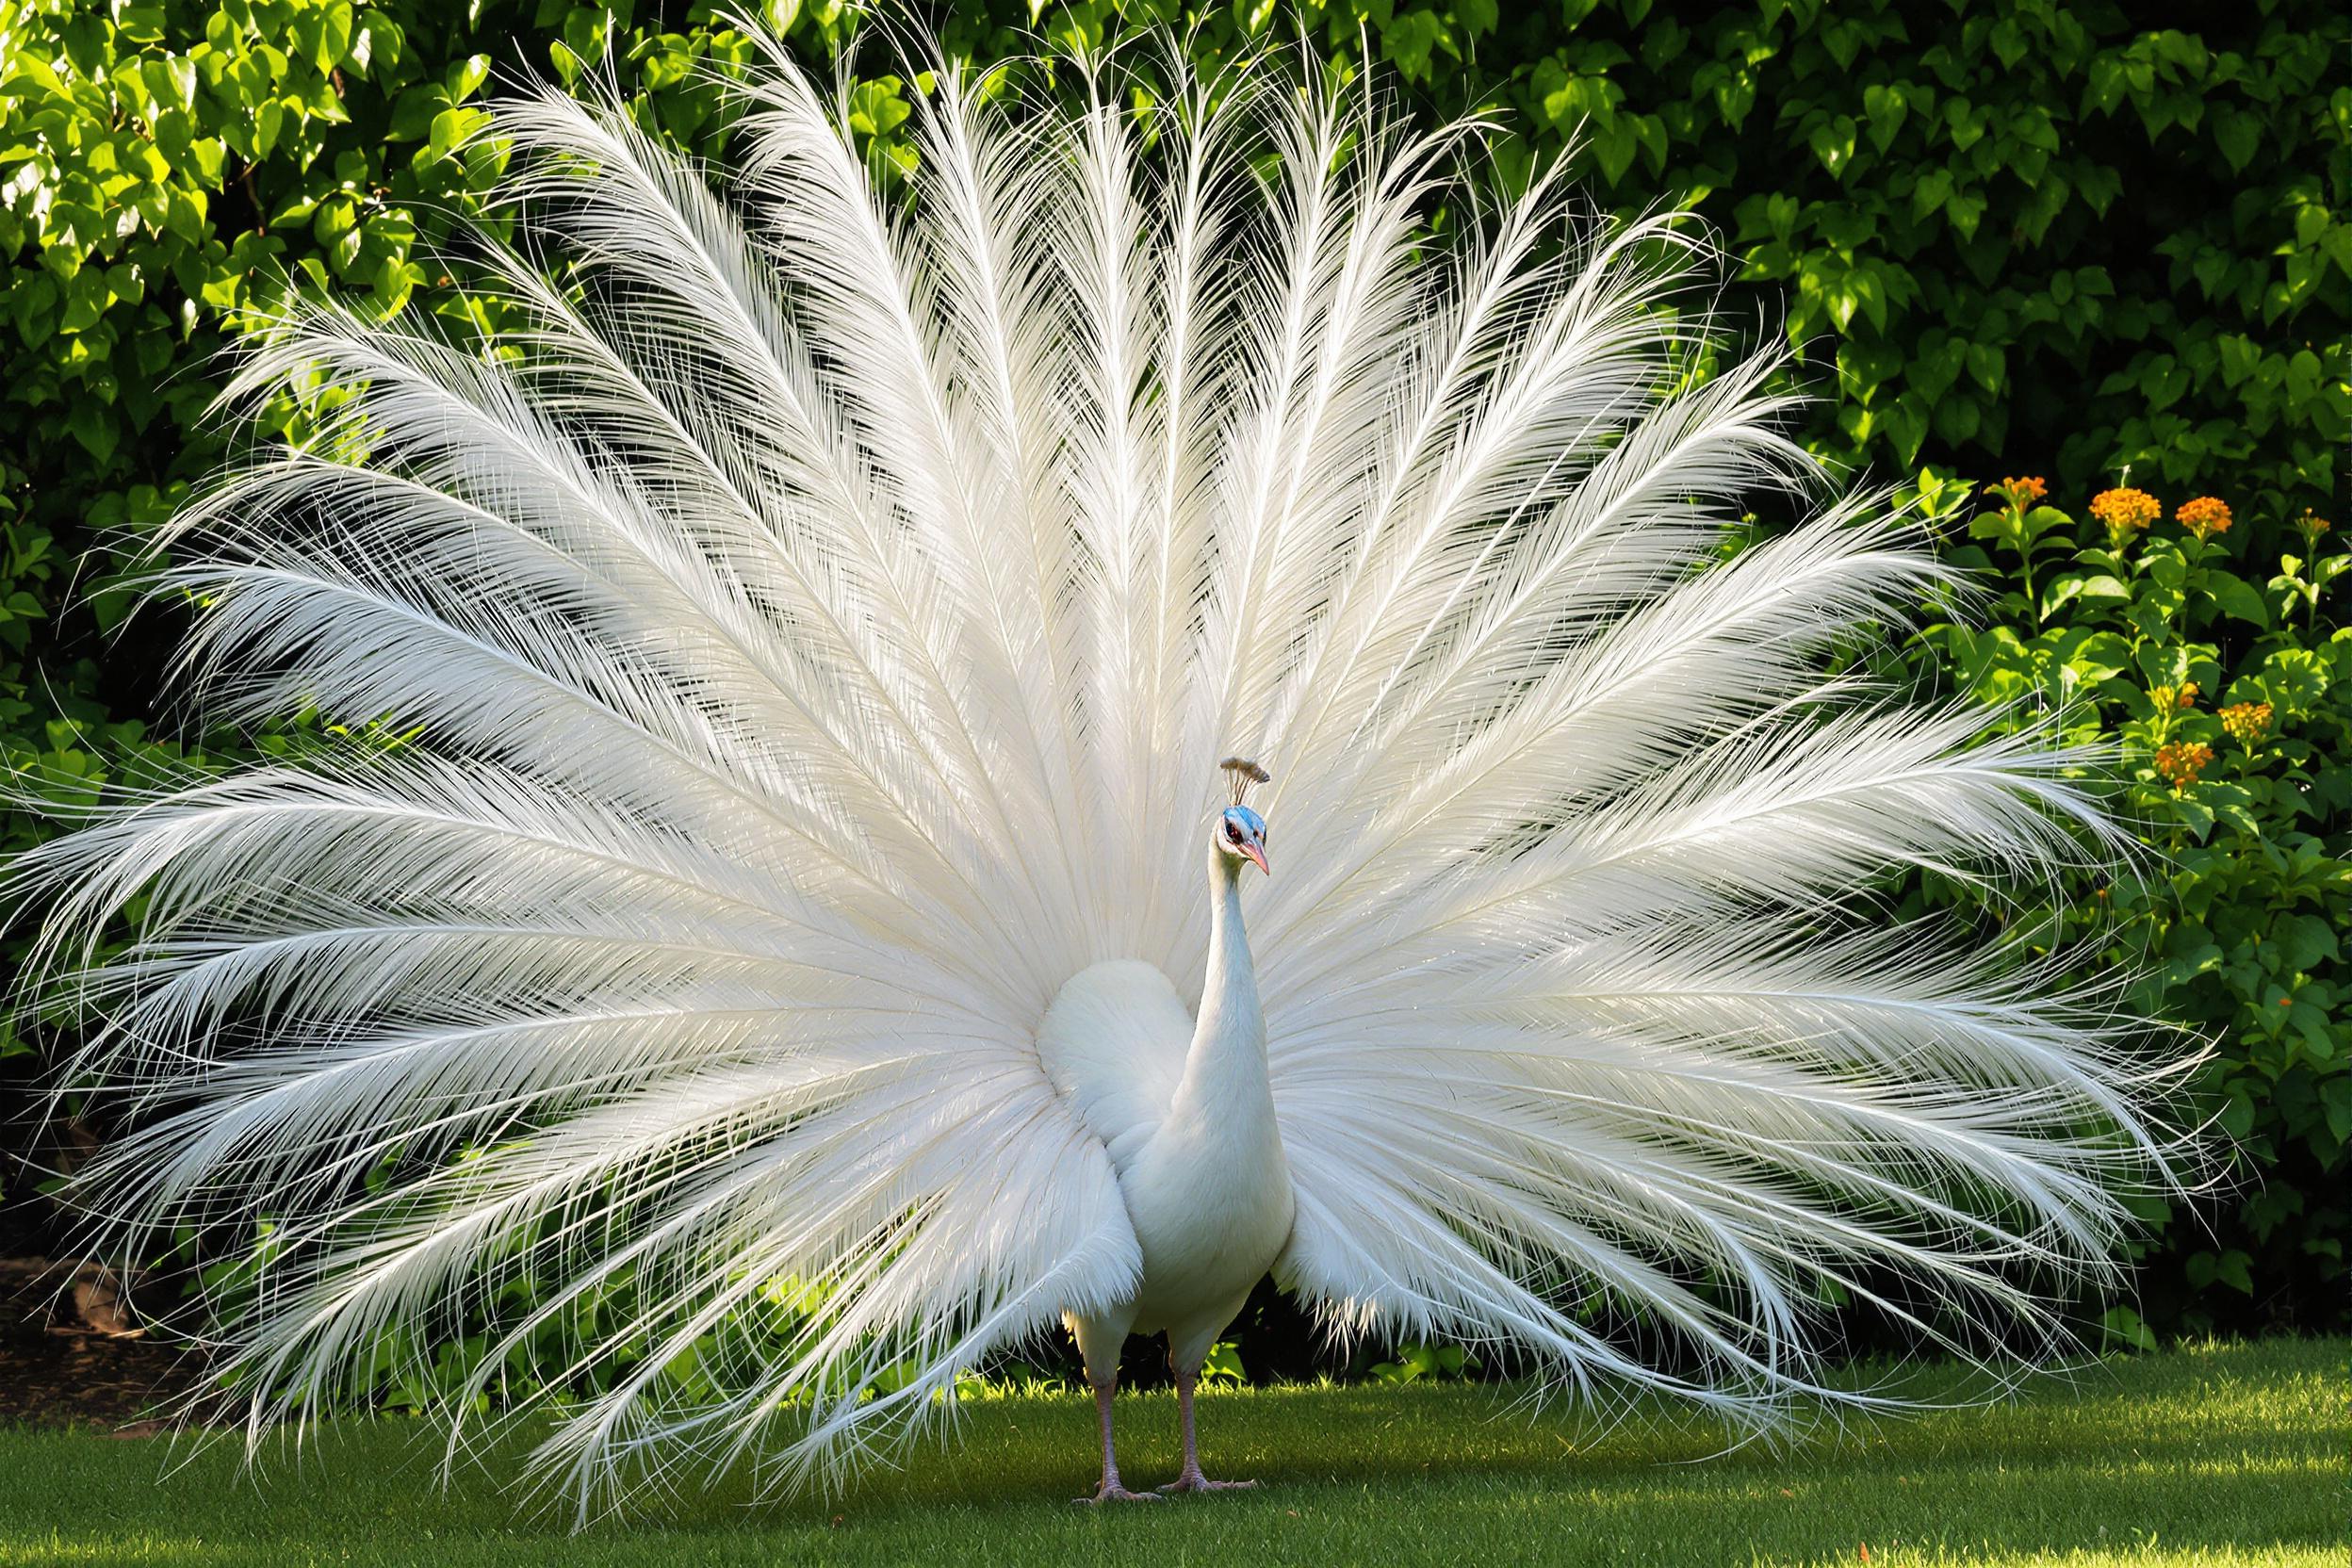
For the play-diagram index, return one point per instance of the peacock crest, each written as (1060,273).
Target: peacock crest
(1240,775)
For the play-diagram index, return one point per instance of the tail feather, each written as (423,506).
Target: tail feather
(807,640)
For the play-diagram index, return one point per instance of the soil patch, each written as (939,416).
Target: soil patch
(67,1377)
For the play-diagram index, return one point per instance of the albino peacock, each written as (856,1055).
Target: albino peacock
(800,647)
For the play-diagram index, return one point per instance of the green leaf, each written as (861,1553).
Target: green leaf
(1886,106)
(2238,136)
(1833,143)
(1965,212)
(2123,1329)
(2304,940)
(466,77)
(2236,598)
(449,130)
(93,426)
(1986,365)
(269,120)
(32,304)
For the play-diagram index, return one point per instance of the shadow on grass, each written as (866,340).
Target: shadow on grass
(2226,1454)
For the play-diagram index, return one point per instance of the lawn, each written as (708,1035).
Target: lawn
(2227,1454)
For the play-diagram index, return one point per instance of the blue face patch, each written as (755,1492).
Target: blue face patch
(1251,824)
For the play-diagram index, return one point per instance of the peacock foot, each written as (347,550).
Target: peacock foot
(1196,1481)
(1111,1492)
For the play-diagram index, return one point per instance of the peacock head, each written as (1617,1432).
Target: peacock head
(1240,831)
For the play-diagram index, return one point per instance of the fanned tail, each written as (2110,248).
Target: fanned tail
(806,639)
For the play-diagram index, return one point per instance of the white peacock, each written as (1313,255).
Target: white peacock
(820,616)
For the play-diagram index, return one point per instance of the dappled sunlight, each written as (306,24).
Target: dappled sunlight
(2220,1456)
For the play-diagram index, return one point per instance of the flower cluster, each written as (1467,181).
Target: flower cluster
(2167,697)
(2205,516)
(2019,492)
(2126,512)
(2181,761)
(2246,722)
(2311,526)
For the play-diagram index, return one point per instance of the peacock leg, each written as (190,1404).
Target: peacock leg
(1111,1491)
(1190,1479)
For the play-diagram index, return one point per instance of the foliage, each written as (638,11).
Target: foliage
(2023,237)
(2228,686)
(1439,1362)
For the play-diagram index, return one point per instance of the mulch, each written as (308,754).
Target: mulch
(74,1354)
(69,1376)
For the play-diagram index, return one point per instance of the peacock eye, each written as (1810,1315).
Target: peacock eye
(1233,831)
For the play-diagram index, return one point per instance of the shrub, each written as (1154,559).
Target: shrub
(2227,689)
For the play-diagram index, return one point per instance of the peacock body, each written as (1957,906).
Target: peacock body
(812,625)
(1185,1111)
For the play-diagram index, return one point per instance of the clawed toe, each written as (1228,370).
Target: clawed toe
(1118,1495)
(1202,1483)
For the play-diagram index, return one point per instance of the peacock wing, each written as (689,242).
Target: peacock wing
(1113,1045)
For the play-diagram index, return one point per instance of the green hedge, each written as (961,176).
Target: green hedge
(2013,238)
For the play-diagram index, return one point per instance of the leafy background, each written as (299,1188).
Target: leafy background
(2060,241)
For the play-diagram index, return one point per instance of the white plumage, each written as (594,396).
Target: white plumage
(819,625)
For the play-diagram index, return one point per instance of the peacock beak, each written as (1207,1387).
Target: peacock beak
(1258,855)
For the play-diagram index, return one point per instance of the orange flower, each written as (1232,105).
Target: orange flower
(2181,761)
(2125,511)
(2246,722)
(2182,696)
(2205,516)
(2311,526)
(2019,492)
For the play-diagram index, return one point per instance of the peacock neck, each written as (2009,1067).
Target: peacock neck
(1225,1068)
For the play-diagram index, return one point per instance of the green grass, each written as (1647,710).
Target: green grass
(2227,1454)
